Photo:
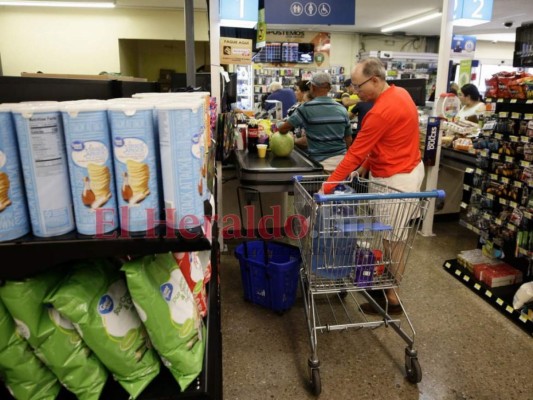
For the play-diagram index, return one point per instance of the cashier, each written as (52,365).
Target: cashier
(472,106)
(326,123)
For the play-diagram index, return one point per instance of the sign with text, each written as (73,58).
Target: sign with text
(472,12)
(315,12)
(235,51)
(463,44)
(465,72)
(432,139)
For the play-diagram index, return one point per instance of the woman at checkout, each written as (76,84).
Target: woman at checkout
(472,106)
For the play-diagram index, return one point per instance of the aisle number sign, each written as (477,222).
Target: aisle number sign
(316,12)
(472,12)
(239,13)
(235,51)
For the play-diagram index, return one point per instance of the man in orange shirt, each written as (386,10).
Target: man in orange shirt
(387,146)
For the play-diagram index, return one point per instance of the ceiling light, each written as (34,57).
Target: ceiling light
(412,21)
(59,3)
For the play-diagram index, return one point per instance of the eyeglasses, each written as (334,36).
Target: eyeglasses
(358,86)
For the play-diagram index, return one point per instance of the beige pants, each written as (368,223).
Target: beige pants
(331,163)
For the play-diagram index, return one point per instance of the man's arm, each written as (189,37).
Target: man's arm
(284,126)
(348,140)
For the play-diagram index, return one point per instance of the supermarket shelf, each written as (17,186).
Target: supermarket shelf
(500,298)
(31,255)
(208,386)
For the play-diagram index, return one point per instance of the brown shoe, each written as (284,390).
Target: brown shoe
(394,309)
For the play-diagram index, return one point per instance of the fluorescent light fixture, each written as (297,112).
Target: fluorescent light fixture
(497,37)
(58,3)
(238,23)
(417,19)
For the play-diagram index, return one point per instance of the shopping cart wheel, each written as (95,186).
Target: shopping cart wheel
(413,370)
(316,385)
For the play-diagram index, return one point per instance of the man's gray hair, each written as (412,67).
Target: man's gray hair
(275,86)
(373,66)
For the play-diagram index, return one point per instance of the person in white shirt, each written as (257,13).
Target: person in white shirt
(472,106)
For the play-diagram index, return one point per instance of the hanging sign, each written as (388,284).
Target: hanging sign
(465,72)
(315,12)
(472,12)
(261,30)
(463,44)
(432,138)
(239,13)
(235,51)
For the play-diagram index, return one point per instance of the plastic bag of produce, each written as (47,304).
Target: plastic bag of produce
(168,310)
(95,298)
(24,375)
(53,338)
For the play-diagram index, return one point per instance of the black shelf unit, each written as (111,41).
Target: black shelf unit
(34,255)
(31,255)
(501,298)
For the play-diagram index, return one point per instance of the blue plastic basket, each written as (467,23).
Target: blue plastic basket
(269,279)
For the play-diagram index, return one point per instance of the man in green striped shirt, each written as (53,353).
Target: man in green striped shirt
(326,122)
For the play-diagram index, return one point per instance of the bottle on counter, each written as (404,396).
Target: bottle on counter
(253,136)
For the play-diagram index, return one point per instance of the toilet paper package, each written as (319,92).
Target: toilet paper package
(95,298)
(136,164)
(45,168)
(14,221)
(90,160)
(182,150)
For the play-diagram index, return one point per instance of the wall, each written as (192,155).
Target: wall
(82,41)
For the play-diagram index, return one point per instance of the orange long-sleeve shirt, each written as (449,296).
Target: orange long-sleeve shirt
(388,142)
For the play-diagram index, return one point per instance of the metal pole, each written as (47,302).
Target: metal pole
(445,44)
(190,56)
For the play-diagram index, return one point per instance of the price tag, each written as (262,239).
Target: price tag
(509,309)
(487,216)
(458,272)
(527,214)
(466,278)
(479,171)
(499,301)
(490,196)
(529,101)
(494,177)
(511,227)
(498,221)
(522,318)
(464,205)
(509,159)
(476,230)
(477,191)
(469,226)
(522,251)
(477,286)
(488,293)
(484,153)
(516,115)
(514,138)
(524,139)
(495,156)
(504,202)
(513,204)
(498,136)
(528,116)
(447,265)
(466,187)
(505,180)
(524,163)
(469,170)
(499,101)
(517,184)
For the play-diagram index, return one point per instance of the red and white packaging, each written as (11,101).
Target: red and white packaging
(193,271)
(497,275)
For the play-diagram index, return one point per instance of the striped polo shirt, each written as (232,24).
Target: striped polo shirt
(326,124)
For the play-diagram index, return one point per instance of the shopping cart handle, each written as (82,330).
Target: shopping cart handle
(322,198)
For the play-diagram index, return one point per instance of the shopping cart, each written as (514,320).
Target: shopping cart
(352,242)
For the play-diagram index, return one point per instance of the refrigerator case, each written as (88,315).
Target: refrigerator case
(245,87)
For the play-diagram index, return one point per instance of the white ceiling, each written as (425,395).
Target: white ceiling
(371,15)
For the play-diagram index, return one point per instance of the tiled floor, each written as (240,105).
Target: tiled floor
(466,349)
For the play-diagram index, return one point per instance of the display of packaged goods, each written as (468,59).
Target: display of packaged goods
(181,130)
(472,258)
(497,275)
(45,167)
(91,171)
(135,159)
(14,221)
